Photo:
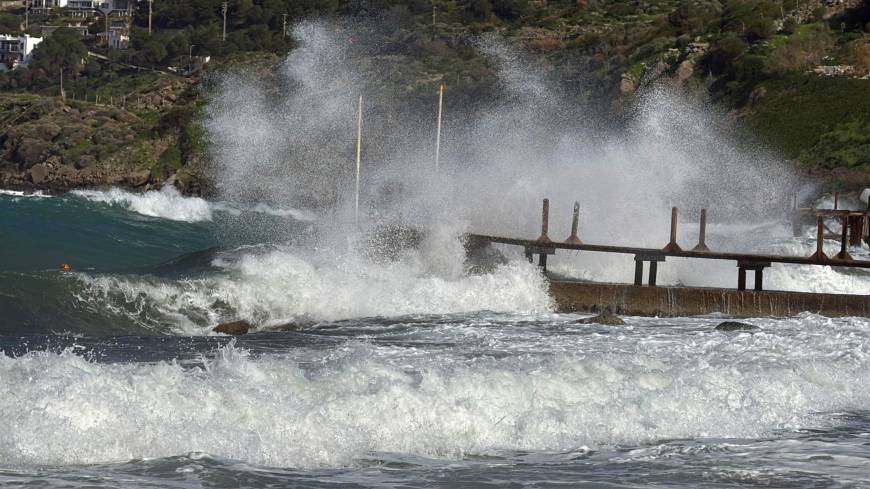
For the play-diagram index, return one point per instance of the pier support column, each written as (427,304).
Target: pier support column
(819,255)
(757,267)
(653,271)
(542,250)
(844,254)
(653,268)
(856,230)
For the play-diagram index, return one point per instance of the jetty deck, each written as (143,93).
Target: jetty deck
(653,300)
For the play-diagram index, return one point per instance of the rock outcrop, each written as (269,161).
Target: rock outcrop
(234,328)
(607,317)
(54,144)
(733,326)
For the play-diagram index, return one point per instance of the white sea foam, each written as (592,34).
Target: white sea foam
(18,193)
(286,285)
(166,203)
(583,390)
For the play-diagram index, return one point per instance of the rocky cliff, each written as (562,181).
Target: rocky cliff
(55,144)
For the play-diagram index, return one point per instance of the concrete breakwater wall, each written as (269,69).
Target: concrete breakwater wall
(690,301)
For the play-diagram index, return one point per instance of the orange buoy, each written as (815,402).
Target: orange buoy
(65,267)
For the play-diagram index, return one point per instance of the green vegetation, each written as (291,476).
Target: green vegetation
(848,145)
(799,109)
(169,162)
(754,57)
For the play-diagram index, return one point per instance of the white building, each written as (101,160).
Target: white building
(44,6)
(16,50)
(118,38)
(91,8)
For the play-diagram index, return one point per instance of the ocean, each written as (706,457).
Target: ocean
(400,371)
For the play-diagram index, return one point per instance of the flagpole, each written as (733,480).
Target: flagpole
(438,128)
(358,154)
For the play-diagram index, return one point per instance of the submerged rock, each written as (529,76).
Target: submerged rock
(729,326)
(607,317)
(234,328)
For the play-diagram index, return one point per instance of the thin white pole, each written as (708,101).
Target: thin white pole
(438,129)
(358,153)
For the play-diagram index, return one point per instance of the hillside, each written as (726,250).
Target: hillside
(796,75)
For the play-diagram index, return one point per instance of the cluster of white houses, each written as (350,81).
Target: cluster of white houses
(83,8)
(16,50)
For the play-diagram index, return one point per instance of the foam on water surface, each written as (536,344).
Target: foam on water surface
(507,383)
(279,287)
(167,203)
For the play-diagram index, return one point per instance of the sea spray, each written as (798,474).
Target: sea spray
(532,141)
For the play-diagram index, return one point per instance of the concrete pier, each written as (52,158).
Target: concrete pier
(652,300)
(692,301)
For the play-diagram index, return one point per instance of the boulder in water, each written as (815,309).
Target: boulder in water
(607,317)
(234,328)
(731,326)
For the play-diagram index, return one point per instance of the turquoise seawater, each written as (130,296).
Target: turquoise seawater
(400,372)
(107,235)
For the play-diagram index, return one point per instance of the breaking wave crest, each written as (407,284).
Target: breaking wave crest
(280,286)
(169,203)
(359,400)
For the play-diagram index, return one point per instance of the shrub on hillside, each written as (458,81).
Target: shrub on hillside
(721,58)
(858,55)
(801,50)
(848,145)
(751,18)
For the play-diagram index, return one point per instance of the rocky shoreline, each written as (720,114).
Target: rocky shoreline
(54,144)
(56,179)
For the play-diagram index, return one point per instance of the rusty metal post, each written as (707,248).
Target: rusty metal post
(856,230)
(638,271)
(866,224)
(545,223)
(844,241)
(542,261)
(575,222)
(673,246)
(702,233)
(820,255)
(653,272)
(759,278)
(741,278)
